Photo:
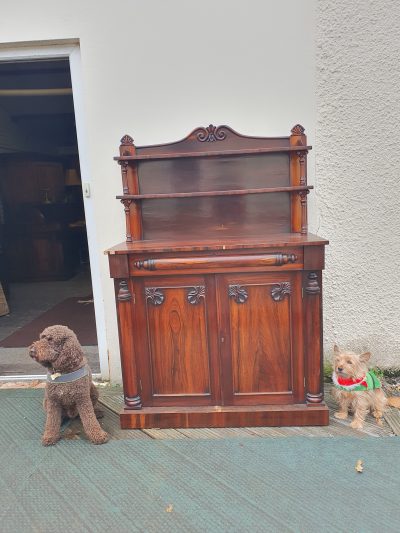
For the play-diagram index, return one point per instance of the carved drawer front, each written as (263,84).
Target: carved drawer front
(177,340)
(288,259)
(257,337)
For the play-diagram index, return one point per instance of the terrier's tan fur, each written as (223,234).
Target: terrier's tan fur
(351,365)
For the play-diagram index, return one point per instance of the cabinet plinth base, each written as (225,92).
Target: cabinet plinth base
(225,416)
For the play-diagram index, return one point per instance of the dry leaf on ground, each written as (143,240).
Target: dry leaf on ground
(394,401)
(359,466)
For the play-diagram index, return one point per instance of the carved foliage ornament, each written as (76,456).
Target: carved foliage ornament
(126,140)
(280,290)
(124,166)
(127,203)
(238,293)
(195,293)
(303,196)
(297,130)
(154,296)
(211,134)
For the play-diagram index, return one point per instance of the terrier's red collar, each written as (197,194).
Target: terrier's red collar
(345,382)
(367,382)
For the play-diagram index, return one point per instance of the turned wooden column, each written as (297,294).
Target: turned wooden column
(313,337)
(125,302)
(130,185)
(298,176)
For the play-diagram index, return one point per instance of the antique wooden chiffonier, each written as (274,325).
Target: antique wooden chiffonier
(218,285)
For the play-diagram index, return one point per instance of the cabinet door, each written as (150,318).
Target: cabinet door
(178,351)
(261,338)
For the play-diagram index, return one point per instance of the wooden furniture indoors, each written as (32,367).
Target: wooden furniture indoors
(38,241)
(218,285)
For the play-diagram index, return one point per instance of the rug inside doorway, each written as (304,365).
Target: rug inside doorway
(77,313)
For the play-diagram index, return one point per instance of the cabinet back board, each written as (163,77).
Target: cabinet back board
(215,216)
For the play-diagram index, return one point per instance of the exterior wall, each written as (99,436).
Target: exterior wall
(357,168)
(157,69)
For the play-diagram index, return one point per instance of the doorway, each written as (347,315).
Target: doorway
(45,272)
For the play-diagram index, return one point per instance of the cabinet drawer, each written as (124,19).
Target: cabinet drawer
(282,260)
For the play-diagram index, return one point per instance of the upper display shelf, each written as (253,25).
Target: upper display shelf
(255,151)
(213,183)
(232,192)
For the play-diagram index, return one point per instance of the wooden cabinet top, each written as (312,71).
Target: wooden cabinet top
(269,241)
(215,188)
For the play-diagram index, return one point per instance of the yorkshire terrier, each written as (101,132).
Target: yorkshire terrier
(356,388)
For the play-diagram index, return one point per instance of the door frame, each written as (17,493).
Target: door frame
(70,49)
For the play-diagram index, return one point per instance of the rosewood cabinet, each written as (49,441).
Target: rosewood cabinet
(218,285)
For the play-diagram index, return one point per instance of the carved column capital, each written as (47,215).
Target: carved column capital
(124,294)
(312,287)
(302,154)
(127,202)
(303,196)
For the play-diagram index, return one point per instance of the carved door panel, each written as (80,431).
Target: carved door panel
(261,338)
(177,352)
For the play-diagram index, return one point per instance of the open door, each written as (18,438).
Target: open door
(45,275)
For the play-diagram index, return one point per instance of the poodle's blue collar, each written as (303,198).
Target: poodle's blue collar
(56,377)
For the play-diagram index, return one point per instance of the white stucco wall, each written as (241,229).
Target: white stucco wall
(358,171)
(158,69)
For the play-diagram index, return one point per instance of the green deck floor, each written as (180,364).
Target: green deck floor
(298,484)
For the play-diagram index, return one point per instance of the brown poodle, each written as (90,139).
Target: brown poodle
(69,389)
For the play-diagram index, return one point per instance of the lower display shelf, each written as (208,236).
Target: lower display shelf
(225,416)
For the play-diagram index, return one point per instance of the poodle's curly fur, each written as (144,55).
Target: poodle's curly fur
(58,350)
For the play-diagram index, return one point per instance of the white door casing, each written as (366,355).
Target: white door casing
(60,50)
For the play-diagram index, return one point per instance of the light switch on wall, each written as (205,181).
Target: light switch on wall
(86,190)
